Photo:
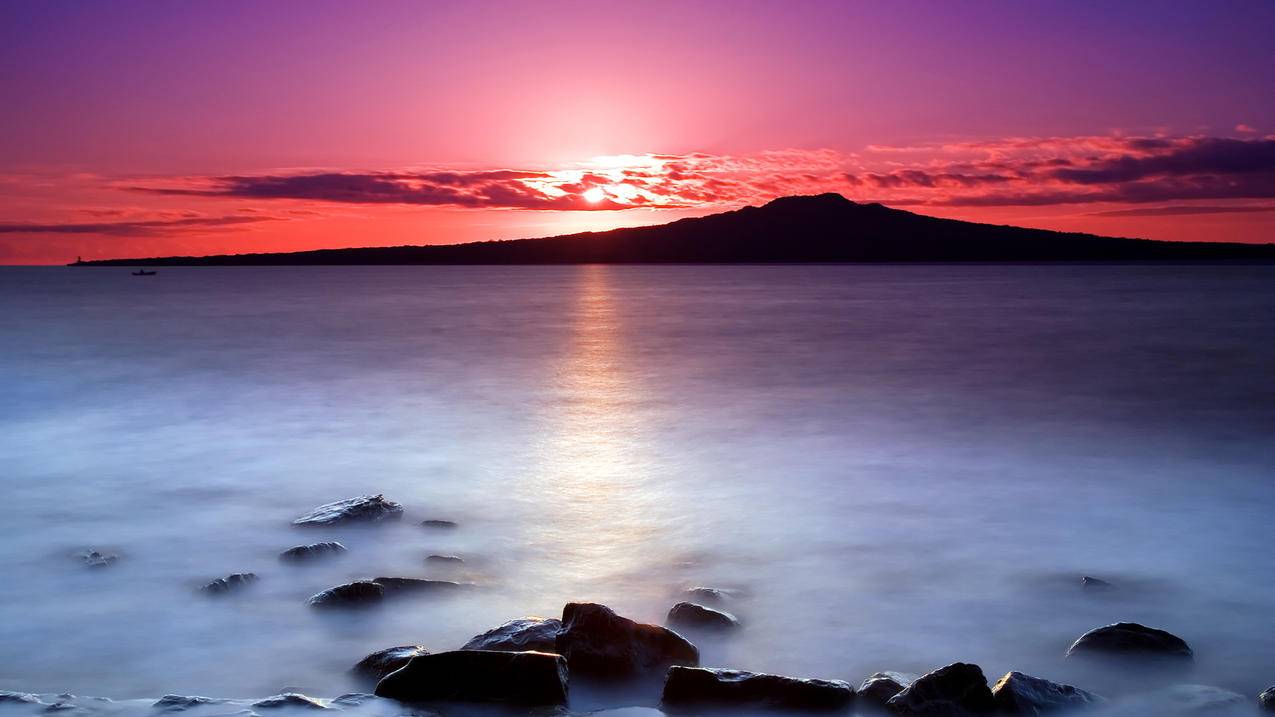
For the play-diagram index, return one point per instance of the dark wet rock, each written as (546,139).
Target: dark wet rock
(95,559)
(289,699)
(688,615)
(174,703)
(1020,694)
(1188,700)
(529,633)
(417,585)
(60,706)
(881,686)
(596,641)
(1129,639)
(698,685)
(958,690)
(362,509)
(1091,583)
(18,698)
(708,596)
(383,662)
(1267,700)
(313,551)
(444,560)
(234,581)
(441,524)
(358,593)
(534,678)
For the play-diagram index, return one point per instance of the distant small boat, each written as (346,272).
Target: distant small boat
(143,272)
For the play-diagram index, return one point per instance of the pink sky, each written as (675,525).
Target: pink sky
(140,128)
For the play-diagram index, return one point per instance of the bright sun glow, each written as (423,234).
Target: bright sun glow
(594,195)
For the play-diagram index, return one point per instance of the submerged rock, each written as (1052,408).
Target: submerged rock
(533,678)
(18,698)
(708,596)
(596,641)
(690,615)
(94,559)
(1267,700)
(363,508)
(289,699)
(442,524)
(383,662)
(417,585)
(444,559)
(1020,694)
(234,581)
(689,685)
(1091,583)
(881,686)
(175,703)
(1188,700)
(957,690)
(358,593)
(529,633)
(303,553)
(1129,639)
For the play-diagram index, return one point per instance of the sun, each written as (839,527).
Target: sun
(594,195)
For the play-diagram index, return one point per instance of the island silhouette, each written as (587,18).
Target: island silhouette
(824,228)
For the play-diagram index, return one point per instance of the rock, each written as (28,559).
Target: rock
(441,524)
(1188,700)
(94,559)
(361,592)
(289,699)
(303,553)
(958,690)
(18,698)
(529,633)
(1092,583)
(175,703)
(1020,694)
(598,642)
(364,508)
(444,559)
(690,685)
(881,686)
(417,585)
(233,581)
(1267,700)
(1129,639)
(708,596)
(690,615)
(383,662)
(533,678)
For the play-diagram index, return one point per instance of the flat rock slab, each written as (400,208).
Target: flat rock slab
(1129,639)
(383,662)
(234,581)
(1020,694)
(698,685)
(313,551)
(536,634)
(355,594)
(530,678)
(881,686)
(692,616)
(177,703)
(1187,700)
(958,690)
(596,641)
(444,559)
(440,524)
(417,585)
(360,509)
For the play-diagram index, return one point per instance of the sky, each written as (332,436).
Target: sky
(134,129)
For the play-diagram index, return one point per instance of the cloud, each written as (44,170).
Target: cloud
(1182,210)
(151,227)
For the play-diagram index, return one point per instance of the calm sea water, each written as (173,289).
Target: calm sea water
(898,466)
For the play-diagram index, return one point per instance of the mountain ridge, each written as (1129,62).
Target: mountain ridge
(823,228)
